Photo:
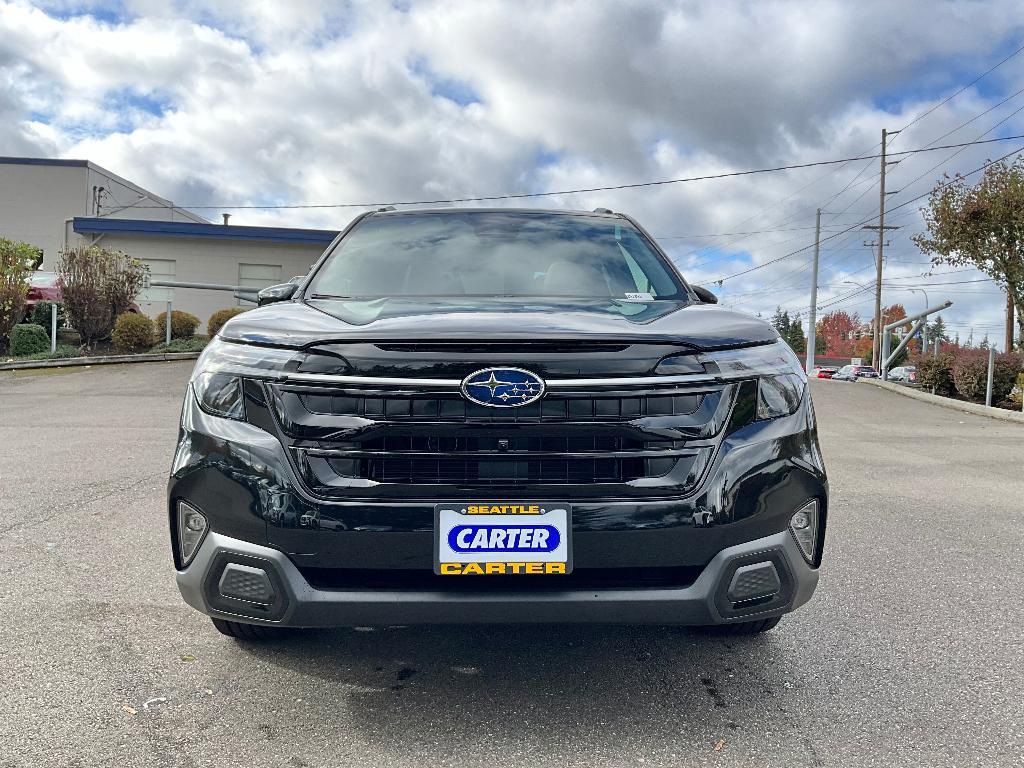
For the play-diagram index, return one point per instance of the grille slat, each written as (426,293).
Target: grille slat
(456,409)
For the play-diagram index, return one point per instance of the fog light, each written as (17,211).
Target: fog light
(191,530)
(804,525)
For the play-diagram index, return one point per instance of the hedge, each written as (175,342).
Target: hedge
(965,373)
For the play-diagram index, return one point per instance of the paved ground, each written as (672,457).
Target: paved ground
(911,653)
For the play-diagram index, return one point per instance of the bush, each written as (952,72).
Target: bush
(218,318)
(970,375)
(97,285)
(42,314)
(16,260)
(28,339)
(936,373)
(132,332)
(1006,375)
(183,325)
(970,371)
(194,344)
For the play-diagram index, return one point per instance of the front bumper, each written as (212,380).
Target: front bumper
(297,604)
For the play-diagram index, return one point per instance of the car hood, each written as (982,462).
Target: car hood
(316,321)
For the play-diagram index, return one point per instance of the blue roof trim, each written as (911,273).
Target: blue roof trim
(43,161)
(205,231)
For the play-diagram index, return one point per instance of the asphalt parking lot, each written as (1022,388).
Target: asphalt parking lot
(911,652)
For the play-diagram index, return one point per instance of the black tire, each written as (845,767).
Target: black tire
(251,632)
(749,627)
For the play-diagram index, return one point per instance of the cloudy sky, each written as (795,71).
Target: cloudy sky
(273,102)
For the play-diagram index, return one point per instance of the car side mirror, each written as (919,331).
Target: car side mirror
(704,294)
(275,293)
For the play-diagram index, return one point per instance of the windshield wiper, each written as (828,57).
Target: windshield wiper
(328,296)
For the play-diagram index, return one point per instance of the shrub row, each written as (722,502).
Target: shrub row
(134,332)
(965,373)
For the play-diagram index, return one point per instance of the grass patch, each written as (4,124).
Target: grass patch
(191,344)
(63,351)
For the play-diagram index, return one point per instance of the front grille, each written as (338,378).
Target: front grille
(373,443)
(580,578)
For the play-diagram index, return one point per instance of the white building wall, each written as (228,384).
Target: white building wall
(199,260)
(35,202)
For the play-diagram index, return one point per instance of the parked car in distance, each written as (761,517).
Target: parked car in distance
(821,372)
(854,372)
(495,416)
(905,373)
(42,287)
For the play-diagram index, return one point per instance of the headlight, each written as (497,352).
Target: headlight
(217,378)
(776,368)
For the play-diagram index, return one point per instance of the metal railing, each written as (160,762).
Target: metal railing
(240,292)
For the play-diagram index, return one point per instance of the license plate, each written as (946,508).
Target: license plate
(502,539)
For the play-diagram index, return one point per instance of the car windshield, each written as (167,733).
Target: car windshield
(485,253)
(43,278)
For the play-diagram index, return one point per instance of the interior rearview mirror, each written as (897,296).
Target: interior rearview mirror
(704,294)
(275,293)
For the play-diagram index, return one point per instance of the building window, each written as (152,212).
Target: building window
(254,277)
(159,269)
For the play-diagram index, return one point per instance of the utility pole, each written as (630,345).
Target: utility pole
(876,345)
(876,342)
(811,315)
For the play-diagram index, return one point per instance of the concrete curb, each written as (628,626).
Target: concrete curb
(948,402)
(70,362)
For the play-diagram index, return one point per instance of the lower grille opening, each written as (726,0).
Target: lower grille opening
(580,578)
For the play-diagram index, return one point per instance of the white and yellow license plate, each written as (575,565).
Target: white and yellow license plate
(494,538)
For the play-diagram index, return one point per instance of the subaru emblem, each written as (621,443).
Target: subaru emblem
(503,387)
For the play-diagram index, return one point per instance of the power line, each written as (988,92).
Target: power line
(952,96)
(731,234)
(610,188)
(865,221)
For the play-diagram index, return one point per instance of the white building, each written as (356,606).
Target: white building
(53,204)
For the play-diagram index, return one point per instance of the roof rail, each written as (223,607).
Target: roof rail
(603,210)
(386,208)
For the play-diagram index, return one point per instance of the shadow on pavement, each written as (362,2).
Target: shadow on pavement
(544,686)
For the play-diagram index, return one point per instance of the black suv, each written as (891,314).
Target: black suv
(496,416)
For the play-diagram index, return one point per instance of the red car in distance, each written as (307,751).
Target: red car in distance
(823,372)
(42,287)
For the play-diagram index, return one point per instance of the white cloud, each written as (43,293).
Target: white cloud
(313,102)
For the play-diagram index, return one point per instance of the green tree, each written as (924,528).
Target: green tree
(16,261)
(781,322)
(981,226)
(795,336)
